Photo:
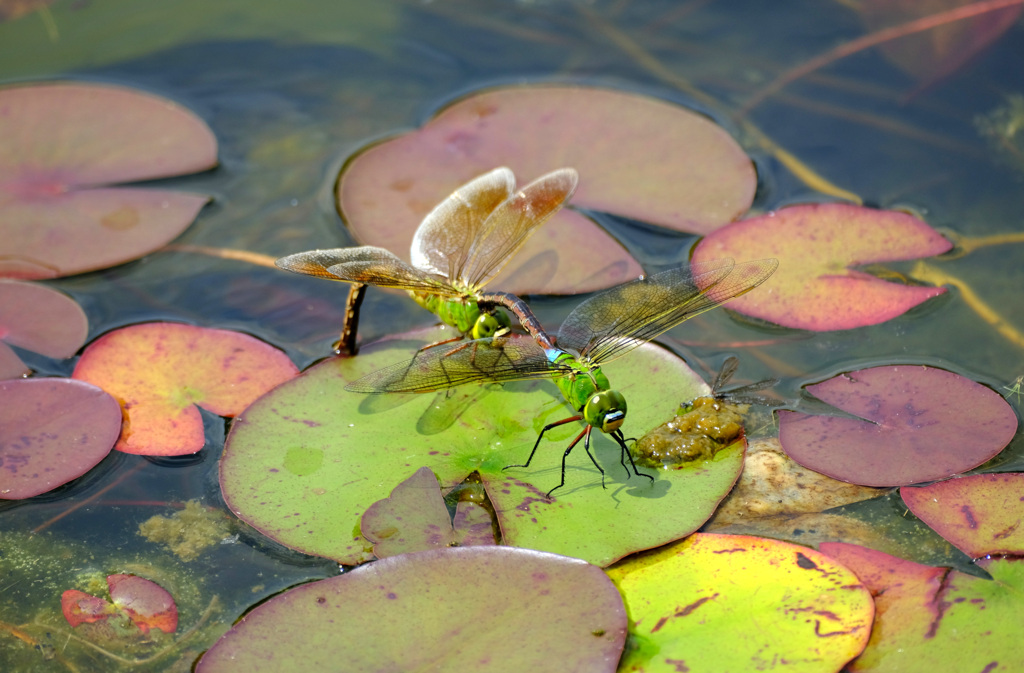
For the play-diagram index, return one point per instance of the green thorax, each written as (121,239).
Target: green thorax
(582,383)
(464,315)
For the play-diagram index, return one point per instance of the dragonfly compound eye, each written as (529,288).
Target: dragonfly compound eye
(490,324)
(605,410)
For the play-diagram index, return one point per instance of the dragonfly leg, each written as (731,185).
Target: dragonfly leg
(586,446)
(565,455)
(617,434)
(541,436)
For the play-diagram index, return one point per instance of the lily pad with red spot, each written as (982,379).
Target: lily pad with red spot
(919,424)
(64,145)
(637,157)
(146,603)
(815,287)
(82,608)
(979,514)
(741,603)
(926,618)
(52,431)
(481,608)
(39,319)
(161,372)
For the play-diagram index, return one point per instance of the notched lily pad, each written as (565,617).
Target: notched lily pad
(65,143)
(920,424)
(160,373)
(487,608)
(815,287)
(144,602)
(979,514)
(38,319)
(52,431)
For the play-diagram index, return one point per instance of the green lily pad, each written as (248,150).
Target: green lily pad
(816,245)
(741,603)
(360,447)
(39,319)
(160,372)
(927,618)
(492,609)
(980,514)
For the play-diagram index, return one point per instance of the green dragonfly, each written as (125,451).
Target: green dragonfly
(599,330)
(458,248)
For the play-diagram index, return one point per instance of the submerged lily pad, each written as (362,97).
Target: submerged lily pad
(65,143)
(739,603)
(355,449)
(637,156)
(52,431)
(144,602)
(38,319)
(160,372)
(476,608)
(926,618)
(816,245)
(920,424)
(980,514)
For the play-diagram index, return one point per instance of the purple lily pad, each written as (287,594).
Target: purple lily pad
(816,245)
(921,424)
(38,319)
(980,514)
(145,602)
(64,145)
(474,608)
(52,431)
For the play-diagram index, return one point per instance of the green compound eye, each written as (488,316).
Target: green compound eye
(605,410)
(490,324)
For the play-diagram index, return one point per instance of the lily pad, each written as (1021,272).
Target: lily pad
(82,608)
(366,445)
(160,373)
(52,431)
(38,319)
(980,514)
(740,603)
(146,603)
(66,142)
(926,618)
(475,608)
(638,157)
(816,245)
(920,424)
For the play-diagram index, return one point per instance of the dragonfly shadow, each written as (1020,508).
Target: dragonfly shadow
(447,407)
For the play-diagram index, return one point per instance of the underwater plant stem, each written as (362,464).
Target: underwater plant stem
(28,639)
(49,522)
(868,41)
(971,243)
(256,258)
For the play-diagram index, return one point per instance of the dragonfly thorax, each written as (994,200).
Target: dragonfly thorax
(605,410)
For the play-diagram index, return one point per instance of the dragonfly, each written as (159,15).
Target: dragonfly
(458,248)
(599,330)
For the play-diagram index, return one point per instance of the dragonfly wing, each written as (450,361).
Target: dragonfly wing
(615,322)
(442,242)
(511,223)
(506,358)
(366,264)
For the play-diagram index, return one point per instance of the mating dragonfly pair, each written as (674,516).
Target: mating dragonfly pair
(463,244)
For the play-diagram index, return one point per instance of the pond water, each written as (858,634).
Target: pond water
(293,90)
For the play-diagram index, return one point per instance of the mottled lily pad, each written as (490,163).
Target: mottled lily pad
(52,431)
(637,157)
(355,449)
(80,608)
(38,319)
(160,372)
(65,143)
(981,514)
(739,603)
(815,287)
(926,618)
(920,424)
(478,608)
(144,602)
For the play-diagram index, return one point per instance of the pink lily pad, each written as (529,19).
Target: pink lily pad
(38,319)
(492,609)
(920,424)
(82,608)
(65,144)
(415,518)
(980,514)
(816,245)
(146,603)
(52,431)
(637,157)
(160,373)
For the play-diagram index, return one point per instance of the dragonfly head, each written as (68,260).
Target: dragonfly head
(605,410)
(490,324)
